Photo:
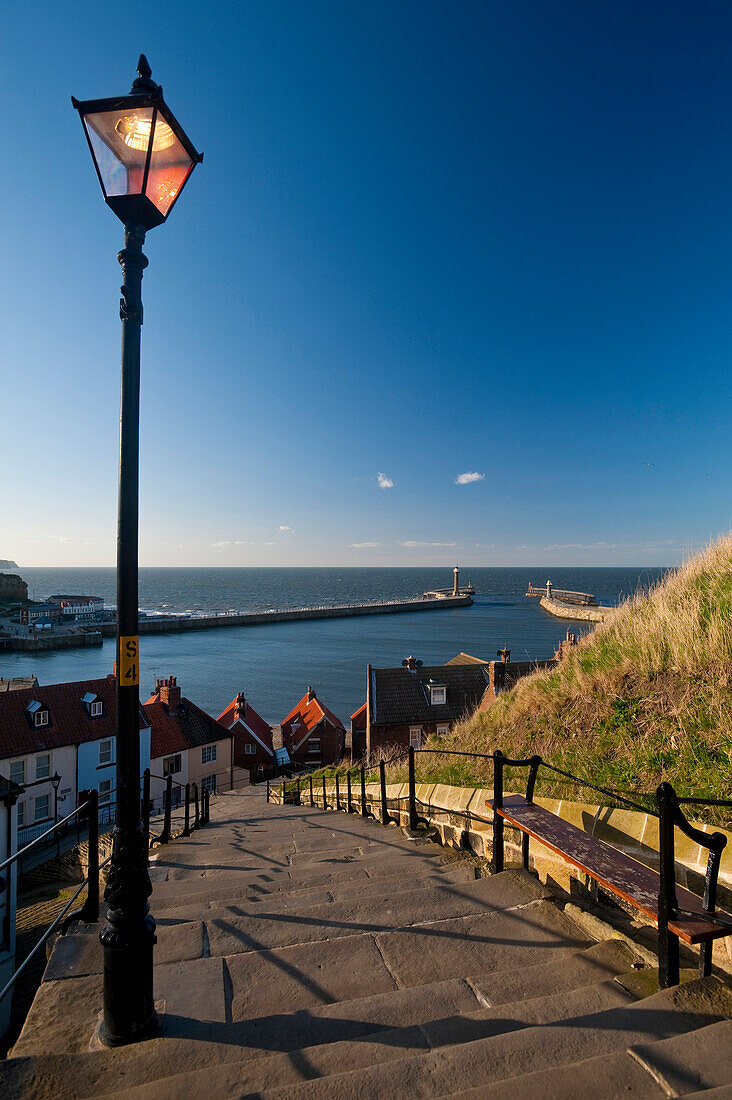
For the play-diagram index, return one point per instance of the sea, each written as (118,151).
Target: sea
(275,663)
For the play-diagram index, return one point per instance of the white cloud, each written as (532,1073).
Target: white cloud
(62,539)
(231,542)
(364,545)
(384,481)
(465,479)
(286,527)
(411,543)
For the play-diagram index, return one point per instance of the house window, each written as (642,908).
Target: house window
(415,737)
(438,696)
(314,746)
(41,807)
(21,814)
(105,753)
(43,766)
(172,765)
(208,754)
(250,750)
(442,731)
(17,772)
(105,790)
(97,709)
(41,718)
(208,783)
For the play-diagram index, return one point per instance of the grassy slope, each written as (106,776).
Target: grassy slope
(646,697)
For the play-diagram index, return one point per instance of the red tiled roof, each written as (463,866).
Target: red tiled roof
(69,721)
(254,721)
(308,712)
(189,727)
(358,718)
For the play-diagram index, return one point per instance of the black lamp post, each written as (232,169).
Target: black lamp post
(143,160)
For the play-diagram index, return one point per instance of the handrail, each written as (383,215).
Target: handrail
(21,851)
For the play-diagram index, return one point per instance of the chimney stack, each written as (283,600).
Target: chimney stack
(504,654)
(240,705)
(497,675)
(169,694)
(310,694)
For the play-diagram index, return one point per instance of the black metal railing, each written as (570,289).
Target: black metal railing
(93,815)
(668,812)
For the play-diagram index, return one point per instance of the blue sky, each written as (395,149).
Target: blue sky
(427,240)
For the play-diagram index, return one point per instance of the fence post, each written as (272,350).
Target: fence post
(312,799)
(365,812)
(146,808)
(187,822)
(268,790)
(497,819)
(325,797)
(197,816)
(90,908)
(668,943)
(165,835)
(349,803)
(385,815)
(414,818)
(298,791)
(338,794)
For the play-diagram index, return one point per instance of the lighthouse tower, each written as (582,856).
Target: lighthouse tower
(456,582)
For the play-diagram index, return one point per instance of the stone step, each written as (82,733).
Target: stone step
(186,881)
(230,930)
(279,1070)
(365,1022)
(303,898)
(684,1065)
(500,1058)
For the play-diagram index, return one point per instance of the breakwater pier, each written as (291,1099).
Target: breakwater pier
(168,624)
(581,606)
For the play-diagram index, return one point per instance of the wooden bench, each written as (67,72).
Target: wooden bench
(679,913)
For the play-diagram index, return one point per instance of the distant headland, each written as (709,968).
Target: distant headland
(6,563)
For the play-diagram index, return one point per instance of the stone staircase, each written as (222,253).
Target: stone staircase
(311,954)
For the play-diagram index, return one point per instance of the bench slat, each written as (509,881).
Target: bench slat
(620,874)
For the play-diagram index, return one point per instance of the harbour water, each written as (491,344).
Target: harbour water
(274,664)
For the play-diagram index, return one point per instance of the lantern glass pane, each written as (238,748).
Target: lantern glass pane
(119,140)
(170,166)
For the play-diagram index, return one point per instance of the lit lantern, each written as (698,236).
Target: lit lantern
(141,153)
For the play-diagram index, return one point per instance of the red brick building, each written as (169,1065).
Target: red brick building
(356,737)
(253,748)
(312,734)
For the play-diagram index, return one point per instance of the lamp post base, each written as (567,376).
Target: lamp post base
(129,1008)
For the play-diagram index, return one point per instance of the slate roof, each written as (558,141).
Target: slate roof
(188,728)
(69,721)
(398,695)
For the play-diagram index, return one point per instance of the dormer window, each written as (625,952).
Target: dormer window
(37,713)
(438,695)
(93,704)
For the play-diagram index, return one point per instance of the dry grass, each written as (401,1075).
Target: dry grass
(646,697)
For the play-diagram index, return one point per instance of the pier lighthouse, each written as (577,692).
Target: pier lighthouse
(456,581)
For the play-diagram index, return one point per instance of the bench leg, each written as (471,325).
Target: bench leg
(705,959)
(525,850)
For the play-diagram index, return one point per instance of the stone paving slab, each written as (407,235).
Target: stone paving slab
(309,974)
(76,956)
(478,944)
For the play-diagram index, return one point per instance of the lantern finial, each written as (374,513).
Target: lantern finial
(144,85)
